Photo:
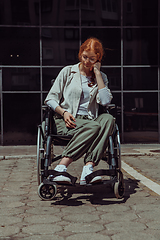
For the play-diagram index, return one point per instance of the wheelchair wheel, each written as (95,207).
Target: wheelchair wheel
(119,189)
(117,148)
(119,186)
(40,153)
(47,191)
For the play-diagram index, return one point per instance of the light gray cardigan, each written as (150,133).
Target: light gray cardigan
(67,89)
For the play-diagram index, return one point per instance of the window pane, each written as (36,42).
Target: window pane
(140,117)
(60,13)
(141,78)
(21,117)
(19,12)
(49,75)
(19,46)
(60,46)
(140,46)
(140,12)
(101,13)
(114,77)
(111,40)
(21,79)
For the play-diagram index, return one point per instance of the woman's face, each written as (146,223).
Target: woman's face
(88,58)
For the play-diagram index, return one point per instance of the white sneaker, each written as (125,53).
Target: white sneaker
(61,179)
(85,172)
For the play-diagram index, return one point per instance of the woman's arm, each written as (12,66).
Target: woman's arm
(105,95)
(68,117)
(96,69)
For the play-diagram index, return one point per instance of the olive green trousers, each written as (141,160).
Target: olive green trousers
(90,137)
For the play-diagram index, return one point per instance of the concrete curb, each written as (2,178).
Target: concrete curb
(17,157)
(34,156)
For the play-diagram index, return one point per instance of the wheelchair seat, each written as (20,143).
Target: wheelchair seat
(47,138)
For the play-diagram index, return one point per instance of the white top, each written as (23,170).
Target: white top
(85,96)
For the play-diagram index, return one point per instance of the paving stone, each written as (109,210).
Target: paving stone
(109,217)
(84,228)
(125,226)
(44,210)
(154,225)
(78,209)
(8,231)
(113,208)
(42,219)
(135,199)
(9,199)
(41,237)
(150,215)
(153,232)
(88,236)
(10,211)
(9,220)
(42,229)
(145,207)
(131,235)
(15,204)
(82,218)
(39,203)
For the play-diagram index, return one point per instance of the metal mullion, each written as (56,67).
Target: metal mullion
(80,24)
(40,49)
(159,71)
(122,117)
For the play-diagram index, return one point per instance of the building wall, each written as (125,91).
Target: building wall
(39,37)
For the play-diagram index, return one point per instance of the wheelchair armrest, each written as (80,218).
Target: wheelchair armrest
(111,106)
(44,107)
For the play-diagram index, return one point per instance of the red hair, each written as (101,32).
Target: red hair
(92,44)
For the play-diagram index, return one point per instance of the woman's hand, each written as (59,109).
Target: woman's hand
(69,120)
(96,67)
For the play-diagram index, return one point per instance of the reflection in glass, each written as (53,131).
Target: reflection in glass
(19,46)
(141,117)
(114,77)
(60,46)
(67,12)
(140,46)
(21,79)
(18,12)
(21,117)
(48,75)
(140,12)
(111,40)
(100,13)
(140,78)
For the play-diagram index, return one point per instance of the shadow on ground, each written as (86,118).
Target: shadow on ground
(98,194)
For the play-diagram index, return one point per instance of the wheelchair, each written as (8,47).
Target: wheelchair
(47,140)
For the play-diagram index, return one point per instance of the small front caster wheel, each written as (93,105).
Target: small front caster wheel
(119,189)
(47,191)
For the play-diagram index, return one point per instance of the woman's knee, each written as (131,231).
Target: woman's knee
(106,117)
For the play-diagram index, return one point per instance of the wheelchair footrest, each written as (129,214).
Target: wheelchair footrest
(66,174)
(101,172)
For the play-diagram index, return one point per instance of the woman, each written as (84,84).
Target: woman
(75,97)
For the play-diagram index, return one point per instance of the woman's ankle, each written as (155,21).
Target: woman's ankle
(90,163)
(66,161)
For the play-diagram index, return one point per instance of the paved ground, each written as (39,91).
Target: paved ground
(82,213)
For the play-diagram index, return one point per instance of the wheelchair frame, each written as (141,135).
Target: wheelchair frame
(47,139)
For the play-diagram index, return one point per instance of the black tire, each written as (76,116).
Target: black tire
(47,191)
(40,153)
